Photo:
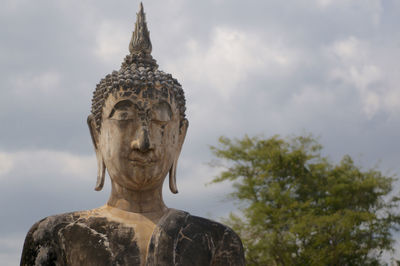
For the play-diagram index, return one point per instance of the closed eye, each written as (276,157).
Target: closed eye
(123,110)
(161,112)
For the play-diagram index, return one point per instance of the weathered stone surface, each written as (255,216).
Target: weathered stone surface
(138,126)
(93,238)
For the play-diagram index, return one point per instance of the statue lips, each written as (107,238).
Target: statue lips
(142,159)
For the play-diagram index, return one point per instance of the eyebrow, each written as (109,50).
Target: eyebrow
(123,104)
(129,103)
(162,102)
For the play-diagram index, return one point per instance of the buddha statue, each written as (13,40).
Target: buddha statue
(138,126)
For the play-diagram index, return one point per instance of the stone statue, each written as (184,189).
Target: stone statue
(138,126)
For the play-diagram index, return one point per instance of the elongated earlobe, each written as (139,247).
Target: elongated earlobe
(101,167)
(101,172)
(172,178)
(172,172)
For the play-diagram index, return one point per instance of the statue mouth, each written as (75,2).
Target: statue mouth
(142,162)
(139,159)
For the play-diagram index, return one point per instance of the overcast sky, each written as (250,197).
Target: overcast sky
(326,67)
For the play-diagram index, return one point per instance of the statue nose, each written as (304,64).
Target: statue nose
(142,140)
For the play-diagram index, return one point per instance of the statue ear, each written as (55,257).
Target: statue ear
(101,167)
(172,172)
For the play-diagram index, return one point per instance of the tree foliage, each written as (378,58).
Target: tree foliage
(301,209)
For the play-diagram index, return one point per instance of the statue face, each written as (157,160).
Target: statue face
(139,139)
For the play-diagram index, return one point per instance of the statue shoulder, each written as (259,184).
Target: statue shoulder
(228,245)
(41,245)
(199,238)
(218,229)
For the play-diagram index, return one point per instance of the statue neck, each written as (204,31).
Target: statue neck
(148,201)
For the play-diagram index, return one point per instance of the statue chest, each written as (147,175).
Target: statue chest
(99,244)
(178,239)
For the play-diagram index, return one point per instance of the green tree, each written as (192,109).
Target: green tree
(298,208)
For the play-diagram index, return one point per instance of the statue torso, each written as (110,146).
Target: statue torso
(92,238)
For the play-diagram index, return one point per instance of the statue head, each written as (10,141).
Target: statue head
(138,122)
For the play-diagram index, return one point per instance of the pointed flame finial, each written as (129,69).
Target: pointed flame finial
(140,41)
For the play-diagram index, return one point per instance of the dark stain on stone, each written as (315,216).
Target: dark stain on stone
(179,239)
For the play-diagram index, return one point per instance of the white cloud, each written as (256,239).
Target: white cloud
(111,41)
(330,3)
(45,83)
(6,163)
(42,162)
(349,48)
(229,58)
(312,99)
(353,63)
(324,3)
